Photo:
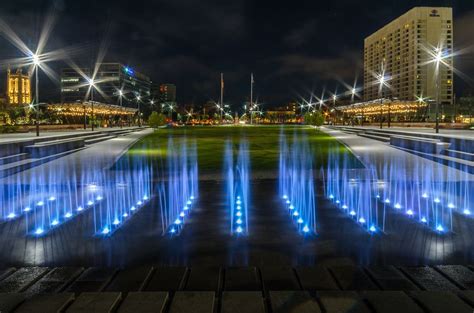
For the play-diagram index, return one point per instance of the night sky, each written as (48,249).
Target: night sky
(292,47)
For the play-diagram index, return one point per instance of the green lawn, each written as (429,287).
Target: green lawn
(263,144)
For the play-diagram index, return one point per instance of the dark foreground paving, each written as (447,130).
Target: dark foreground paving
(338,289)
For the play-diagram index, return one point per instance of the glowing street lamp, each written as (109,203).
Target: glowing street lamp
(381,84)
(334,98)
(438,59)
(139,113)
(92,86)
(120,93)
(36,62)
(120,96)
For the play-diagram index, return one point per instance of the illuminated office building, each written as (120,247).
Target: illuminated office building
(115,84)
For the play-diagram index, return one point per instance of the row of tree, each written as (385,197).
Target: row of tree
(314,118)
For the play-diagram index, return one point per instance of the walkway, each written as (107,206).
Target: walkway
(374,152)
(6,138)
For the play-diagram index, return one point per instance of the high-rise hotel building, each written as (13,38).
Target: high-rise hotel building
(403,50)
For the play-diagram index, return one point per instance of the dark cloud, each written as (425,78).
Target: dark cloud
(290,46)
(464,39)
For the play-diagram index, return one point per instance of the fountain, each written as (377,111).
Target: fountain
(352,190)
(179,190)
(426,192)
(237,187)
(423,191)
(124,191)
(296,183)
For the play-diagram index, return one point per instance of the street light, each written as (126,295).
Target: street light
(334,98)
(381,82)
(438,58)
(92,86)
(36,62)
(121,106)
(139,114)
(120,96)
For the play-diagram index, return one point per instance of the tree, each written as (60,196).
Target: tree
(156,119)
(314,118)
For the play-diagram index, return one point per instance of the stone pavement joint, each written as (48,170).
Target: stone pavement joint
(180,289)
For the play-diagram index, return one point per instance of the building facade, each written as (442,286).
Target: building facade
(18,87)
(167,93)
(403,52)
(74,86)
(115,84)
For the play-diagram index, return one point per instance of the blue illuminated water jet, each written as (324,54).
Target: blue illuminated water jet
(352,190)
(178,190)
(237,187)
(296,183)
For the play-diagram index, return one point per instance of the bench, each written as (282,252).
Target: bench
(426,145)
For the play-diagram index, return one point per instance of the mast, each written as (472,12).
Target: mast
(251,97)
(222,95)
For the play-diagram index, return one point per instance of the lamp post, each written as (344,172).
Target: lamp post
(334,98)
(389,117)
(382,82)
(139,113)
(438,58)
(353,93)
(36,62)
(121,106)
(85,116)
(92,86)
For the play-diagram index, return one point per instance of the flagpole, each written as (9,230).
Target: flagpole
(222,94)
(251,97)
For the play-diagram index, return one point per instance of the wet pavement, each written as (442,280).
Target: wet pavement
(273,239)
(332,288)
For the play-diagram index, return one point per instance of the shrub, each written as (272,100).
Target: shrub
(156,119)
(6,129)
(314,118)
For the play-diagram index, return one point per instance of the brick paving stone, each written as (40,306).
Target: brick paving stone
(390,278)
(352,278)
(242,278)
(468,296)
(144,302)
(293,301)
(342,302)
(316,278)
(55,280)
(242,302)
(441,302)
(97,302)
(165,279)
(192,302)
(6,272)
(391,302)
(462,275)
(22,279)
(131,279)
(10,301)
(429,279)
(92,279)
(203,279)
(46,303)
(279,278)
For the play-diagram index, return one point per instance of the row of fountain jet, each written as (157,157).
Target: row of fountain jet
(428,193)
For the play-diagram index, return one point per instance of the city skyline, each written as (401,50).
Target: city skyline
(314,52)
